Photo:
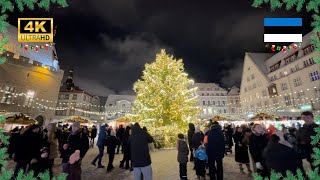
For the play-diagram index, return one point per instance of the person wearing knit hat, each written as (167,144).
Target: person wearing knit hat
(77,140)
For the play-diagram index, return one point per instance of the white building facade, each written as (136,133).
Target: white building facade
(234,105)
(283,84)
(212,98)
(118,106)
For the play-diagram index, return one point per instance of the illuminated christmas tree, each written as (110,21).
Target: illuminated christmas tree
(166,99)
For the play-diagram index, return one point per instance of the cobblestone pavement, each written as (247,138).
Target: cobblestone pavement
(164,165)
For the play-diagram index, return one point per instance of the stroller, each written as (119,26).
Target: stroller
(226,143)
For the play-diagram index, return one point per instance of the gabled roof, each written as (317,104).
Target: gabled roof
(113,98)
(208,85)
(234,91)
(259,60)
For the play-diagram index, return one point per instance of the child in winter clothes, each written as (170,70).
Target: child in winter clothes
(183,152)
(202,159)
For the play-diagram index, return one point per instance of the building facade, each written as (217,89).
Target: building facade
(212,98)
(73,101)
(30,80)
(118,106)
(234,105)
(283,84)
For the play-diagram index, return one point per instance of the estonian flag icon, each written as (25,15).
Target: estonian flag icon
(283,30)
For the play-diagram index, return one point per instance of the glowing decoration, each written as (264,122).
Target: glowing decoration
(165,96)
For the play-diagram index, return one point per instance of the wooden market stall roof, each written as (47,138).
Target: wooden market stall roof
(19,118)
(264,116)
(76,119)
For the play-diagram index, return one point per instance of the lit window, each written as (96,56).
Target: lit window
(287,99)
(74,96)
(300,94)
(29,97)
(7,96)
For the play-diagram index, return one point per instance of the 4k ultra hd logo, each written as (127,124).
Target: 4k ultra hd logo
(35,29)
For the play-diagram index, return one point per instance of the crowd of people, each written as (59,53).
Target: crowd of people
(256,147)
(280,149)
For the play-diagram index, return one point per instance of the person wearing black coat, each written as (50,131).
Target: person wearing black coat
(140,155)
(14,135)
(197,140)
(280,156)
(191,132)
(257,143)
(229,132)
(112,143)
(27,148)
(126,149)
(215,151)
(120,134)
(93,134)
(77,140)
(241,150)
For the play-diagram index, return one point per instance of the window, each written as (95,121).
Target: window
(224,110)
(252,76)
(231,101)
(202,94)
(254,85)
(308,50)
(218,103)
(74,96)
(214,103)
(7,96)
(61,96)
(208,89)
(223,102)
(203,103)
(290,59)
(297,67)
(287,99)
(273,78)
(264,93)
(232,110)
(123,105)
(221,94)
(73,104)
(275,66)
(308,62)
(217,94)
(248,68)
(248,78)
(207,94)
(317,92)
(314,76)
(284,86)
(237,101)
(66,96)
(208,102)
(84,97)
(29,97)
(71,112)
(300,94)
(297,82)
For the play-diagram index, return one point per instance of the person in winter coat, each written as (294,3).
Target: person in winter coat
(14,136)
(27,148)
(241,150)
(280,156)
(191,132)
(93,135)
(112,143)
(202,158)
(120,134)
(215,151)
(229,132)
(53,146)
(183,153)
(140,156)
(126,149)
(257,143)
(197,140)
(100,143)
(77,140)
(304,137)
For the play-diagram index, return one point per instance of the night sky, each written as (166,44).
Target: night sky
(108,42)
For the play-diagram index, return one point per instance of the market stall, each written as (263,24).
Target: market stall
(72,119)
(16,119)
